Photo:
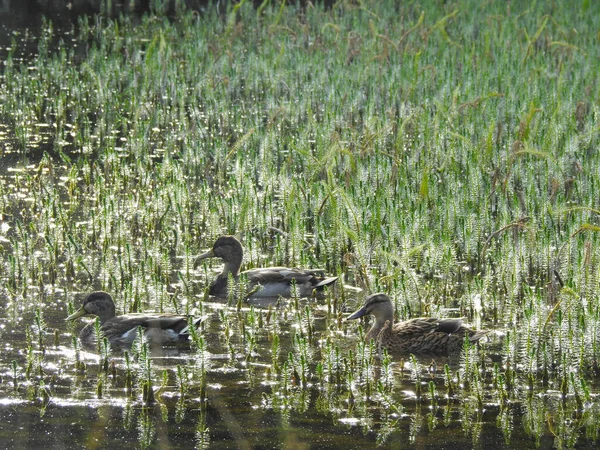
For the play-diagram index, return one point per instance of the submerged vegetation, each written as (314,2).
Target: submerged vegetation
(445,153)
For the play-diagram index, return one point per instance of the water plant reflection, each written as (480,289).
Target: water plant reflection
(407,148)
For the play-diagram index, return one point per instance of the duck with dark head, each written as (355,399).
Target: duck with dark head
(262,282)
(122,330)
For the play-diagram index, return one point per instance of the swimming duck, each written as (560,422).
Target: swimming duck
(121,331)
(423,335)
(262,282)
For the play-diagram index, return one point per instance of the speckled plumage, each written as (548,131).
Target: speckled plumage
(423,335)
(121,331)
(265,281)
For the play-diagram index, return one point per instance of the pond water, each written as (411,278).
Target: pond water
(232,398)
(240,402)
(289,375)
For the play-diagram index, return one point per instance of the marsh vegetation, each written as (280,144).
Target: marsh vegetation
(445,153)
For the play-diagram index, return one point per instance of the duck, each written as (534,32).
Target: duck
(420,336)
(262,282)
(122,330)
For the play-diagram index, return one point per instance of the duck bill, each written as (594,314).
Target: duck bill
(79,313)
(208,254)
(361,312)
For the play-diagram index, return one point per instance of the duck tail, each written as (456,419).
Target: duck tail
(477,335)
(196,321)
(325,282)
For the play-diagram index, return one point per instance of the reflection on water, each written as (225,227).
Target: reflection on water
(222,397)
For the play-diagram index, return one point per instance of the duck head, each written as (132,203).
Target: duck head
(97,303)
(378,305)
(230,250)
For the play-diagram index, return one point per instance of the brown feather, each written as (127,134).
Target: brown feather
(423,335)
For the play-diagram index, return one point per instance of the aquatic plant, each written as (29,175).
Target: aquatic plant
(442,153)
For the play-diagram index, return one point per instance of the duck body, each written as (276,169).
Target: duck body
(265,281)
(423,335)
(122,330)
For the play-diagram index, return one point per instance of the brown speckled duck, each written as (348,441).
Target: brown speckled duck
(423,335)
(265,281)
(122,330)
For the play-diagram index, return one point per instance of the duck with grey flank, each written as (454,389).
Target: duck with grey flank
(122,330)
(265,281)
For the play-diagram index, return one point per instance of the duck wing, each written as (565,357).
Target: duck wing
(277,281)
(122,330)
(265,275)
(426,325)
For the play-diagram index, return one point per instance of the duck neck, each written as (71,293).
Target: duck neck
(106,314)
(105,318)
(232,266)
(384,314)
